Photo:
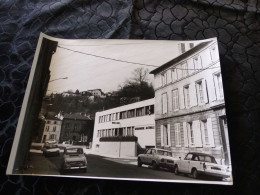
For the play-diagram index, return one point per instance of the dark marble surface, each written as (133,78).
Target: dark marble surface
(234,22)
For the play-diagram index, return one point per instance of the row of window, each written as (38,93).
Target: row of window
(47,128)
(146,110)
(200,92)
(197,133)
(182,70)
(126,131)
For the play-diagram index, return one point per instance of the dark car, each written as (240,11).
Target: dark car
(74,159)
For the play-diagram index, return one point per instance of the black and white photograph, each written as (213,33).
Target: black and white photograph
(148,110)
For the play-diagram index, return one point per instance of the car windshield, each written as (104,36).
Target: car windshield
(51,146)
(164,153)
(209,159)
(74,151)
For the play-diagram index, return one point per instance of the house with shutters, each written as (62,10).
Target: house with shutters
(190,111)
(52,129)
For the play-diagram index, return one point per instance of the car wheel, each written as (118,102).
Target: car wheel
(195,174)
(139,162)
(176,170)
(154,165)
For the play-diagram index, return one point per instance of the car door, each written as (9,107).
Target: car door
(185,164)
(150,156)
(194,163)
(146,156)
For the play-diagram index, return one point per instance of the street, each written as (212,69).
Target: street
(99,166)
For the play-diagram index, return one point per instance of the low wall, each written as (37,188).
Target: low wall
(118,149)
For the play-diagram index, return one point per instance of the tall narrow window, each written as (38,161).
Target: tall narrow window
(218,85)
(191,45)
(165,135)
(184,69)
(47,128)
(175,99)
(177,135)
(199,91)
(164,79)
(205,131)
(174,75)
(187,96)
(164,103)
(191,132)
(214,53)
(197,63)
(54,128)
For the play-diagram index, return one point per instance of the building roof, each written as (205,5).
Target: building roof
(77,116)
(52,118)
(181,57)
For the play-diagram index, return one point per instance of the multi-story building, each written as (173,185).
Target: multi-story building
(189,103)
(76,127)
(136,119)
(52,129)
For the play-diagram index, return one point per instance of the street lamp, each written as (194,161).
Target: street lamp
(58,79)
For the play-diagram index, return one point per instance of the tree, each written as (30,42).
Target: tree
(139,76)
(136,88)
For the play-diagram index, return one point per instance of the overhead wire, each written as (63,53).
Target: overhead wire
(129,62)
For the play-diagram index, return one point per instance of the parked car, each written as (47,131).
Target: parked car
(50,150)
(73,159)
(198,164)
(157,158)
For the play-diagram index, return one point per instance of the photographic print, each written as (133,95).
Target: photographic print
(149,110)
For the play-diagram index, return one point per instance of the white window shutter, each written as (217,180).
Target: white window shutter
(185,134)
(205,91)
(197,134)
(210,133)
(162,144)
(203,133)
(169,134)
(216,87)
(193,95)
(211,89)
(181,98)
(176,134)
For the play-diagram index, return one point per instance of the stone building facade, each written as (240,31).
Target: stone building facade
(189,103)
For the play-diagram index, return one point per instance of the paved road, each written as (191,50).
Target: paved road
(101,167)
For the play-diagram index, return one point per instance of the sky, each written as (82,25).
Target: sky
(85,72)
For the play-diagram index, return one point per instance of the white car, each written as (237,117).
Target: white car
(74,158)
(157,158)
(198,164)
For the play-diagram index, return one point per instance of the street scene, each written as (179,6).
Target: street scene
(119,112)
(99,166)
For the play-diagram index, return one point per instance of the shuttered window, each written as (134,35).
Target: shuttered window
(218,85)
(177,134)
(187,96)
(175,99)
(164,103)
